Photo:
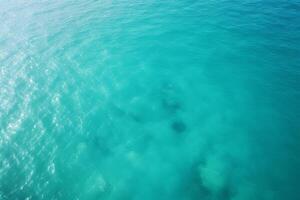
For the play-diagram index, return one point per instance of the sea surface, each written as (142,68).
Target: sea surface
(150,100)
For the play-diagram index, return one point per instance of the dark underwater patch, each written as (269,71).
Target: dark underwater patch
(171,105)
(170,99)
(178,126)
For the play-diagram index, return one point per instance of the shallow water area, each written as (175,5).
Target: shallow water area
(130,100)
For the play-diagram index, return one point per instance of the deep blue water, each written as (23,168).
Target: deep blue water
(143,100)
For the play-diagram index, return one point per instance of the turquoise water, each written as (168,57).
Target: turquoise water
(143,100)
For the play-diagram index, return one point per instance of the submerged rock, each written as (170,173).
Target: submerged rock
(170,98)
(170,105)
(178,126)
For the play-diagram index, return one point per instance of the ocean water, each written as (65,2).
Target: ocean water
(145,99)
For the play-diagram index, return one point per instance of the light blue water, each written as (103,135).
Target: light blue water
(144,99)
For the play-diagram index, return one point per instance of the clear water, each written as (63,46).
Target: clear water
(144,99)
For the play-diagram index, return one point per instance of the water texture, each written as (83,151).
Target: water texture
(145,99)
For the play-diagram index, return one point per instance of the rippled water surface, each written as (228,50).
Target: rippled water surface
(145,99)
